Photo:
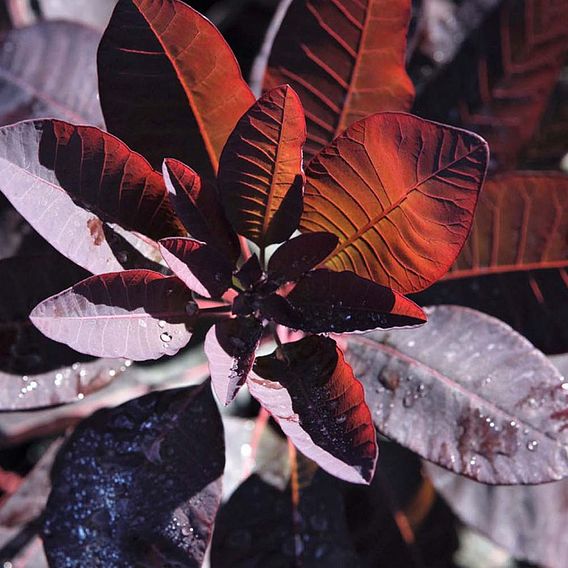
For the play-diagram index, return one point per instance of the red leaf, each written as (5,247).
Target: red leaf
(230,348)
(313,395)
(400,192)
(299,255)
(137,314)
(66,180)
(326,301)
(198,265)
(170,85)
(260,174)
(197,206)
(345,59)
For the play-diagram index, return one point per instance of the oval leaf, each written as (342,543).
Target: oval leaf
(66,180)
(468,393)
(313,395)
(345,59)
(137,314)
(261,179)
(139,484)
(170,85)
(400,193)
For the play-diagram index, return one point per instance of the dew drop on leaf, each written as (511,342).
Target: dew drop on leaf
(165,337)
(532,445)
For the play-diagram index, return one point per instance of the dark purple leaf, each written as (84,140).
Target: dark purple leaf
(230,347)
(313,395)
(327,301)
(49,69)
(299,255)
(198,207)
(250,272)
(137,314)
(138,485)
(201,267)
(469,393)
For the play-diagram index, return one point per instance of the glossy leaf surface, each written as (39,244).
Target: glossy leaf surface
(390,187)
(260,173)
(345,59)
(137,314)
(139,484)
(198,207)
(66,180)
(198,265)
(230,347)
(468,393)
(170,85)
(49,69)
(313,395)
(326,301)
(521,223)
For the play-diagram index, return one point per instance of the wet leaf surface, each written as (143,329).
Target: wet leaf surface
(138,485)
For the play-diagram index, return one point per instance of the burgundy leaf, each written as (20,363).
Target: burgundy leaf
(230,347)
(170,85)
(469,393)
(201,267)
(137,314)
(49,69)
(66,180)
(250,272)
(138,485)
(198,207)
(299,255)
(261,179)
(326,301)
(313,395)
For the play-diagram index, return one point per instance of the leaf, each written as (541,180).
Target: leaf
(230,347)
(502,79)
(313,395)
(299,255)
(66,180)
(199,266)
(170,85)
(48,69)
(345,59)
(521,224)
(137,314)
(261,178)
(400,193)
(469,394)
(198,207)
(139,484)
(96,14)
(325,301)
(250,273)
(256,527)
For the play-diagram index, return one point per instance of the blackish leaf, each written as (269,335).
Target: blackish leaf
(313,395)
(261,179)
(201,267)
(468,393)
(250,272)
(138,485)
(137,314)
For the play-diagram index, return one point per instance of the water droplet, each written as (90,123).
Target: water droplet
(411,343)
(341,418)
(162,324)
(25,378)
(165,337)
(58,379)
(80,396)
(532,445)
(532,402)
(565,386)
(112,372)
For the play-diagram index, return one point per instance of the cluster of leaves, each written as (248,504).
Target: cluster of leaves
(177,219)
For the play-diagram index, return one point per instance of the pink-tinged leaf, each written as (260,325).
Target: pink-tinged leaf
(136,314)
(230,347)
(468,393)
(261,179)
(66,180)
(96,14)
(346,60)
(299,255)
(313,395)
(198,207)
(170,85)
(138,485)
(201,267)
(49,69)
(250,272)
(326,301)
(400,193)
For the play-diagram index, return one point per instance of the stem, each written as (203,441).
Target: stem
(225,309)
(244,248)
(295,490)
